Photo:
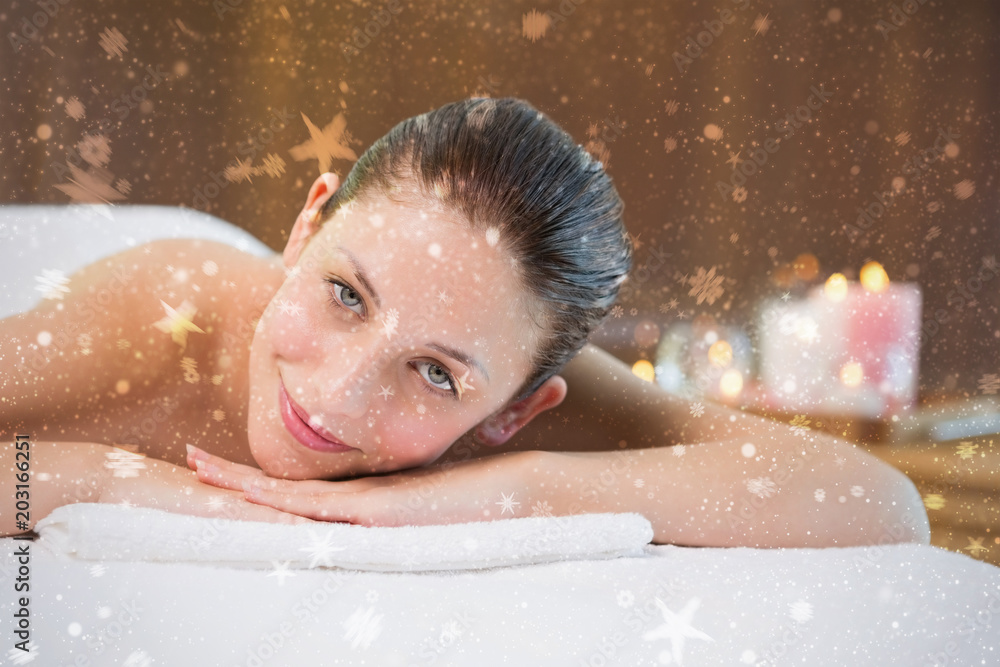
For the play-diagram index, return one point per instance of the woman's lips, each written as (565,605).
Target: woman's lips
(301,430)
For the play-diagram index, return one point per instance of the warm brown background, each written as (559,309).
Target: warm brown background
(606,73)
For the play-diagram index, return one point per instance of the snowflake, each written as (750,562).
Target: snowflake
(799,424)
(664,308)
(19,657)
(98,570)
(190,367)
(52,284)
(639,483)
(761,24)
(934,501)
(390,320)
(138,659)
(216,503)
(541,508)
(209,268)
(289,308)
(633,312)
(218,415)
(964,189)
(385,393)
(989,383)
(762,487)
(320,550)
(734,237)
(95,149)
(966,449)
(819,495)
(678,450)
(857,491)
(902,138)
(740,194)
(123,344)
(671,107)
(617,311)
(74,108)
(123,463)
(932,233)
(507,503)
(669,145)
(800,611)
(706,286)
(697,409)
(625,599)
(363,627)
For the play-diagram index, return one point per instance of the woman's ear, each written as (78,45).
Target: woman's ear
(499,428)
(307,224)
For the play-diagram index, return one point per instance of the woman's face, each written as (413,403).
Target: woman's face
(396,331)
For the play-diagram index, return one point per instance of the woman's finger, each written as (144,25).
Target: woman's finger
(319,506)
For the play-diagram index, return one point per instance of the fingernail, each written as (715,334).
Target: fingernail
(195,452)
(199,464)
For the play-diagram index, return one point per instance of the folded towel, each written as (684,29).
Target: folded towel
(92,531)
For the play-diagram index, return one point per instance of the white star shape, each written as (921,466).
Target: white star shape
(507,503)
(676,628)
(289,308)
(786,296)
(320,550)
(281,571)
(385,393)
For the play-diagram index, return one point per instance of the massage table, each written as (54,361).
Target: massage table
(115,585)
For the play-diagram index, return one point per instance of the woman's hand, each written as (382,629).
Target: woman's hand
(145,482)
(495,487)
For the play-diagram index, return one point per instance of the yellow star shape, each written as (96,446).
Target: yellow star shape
(975,546)
(326,145)
(177,322)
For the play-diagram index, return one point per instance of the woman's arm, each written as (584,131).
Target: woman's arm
(606,404)
(63,473)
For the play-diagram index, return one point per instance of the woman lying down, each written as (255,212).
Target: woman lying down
(416,355)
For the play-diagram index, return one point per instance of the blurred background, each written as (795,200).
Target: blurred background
(811,187)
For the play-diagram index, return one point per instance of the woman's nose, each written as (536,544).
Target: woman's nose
(350,374)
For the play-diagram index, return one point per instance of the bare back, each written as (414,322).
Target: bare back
(150,348)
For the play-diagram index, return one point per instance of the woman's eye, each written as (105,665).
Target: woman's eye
(437,376)
(348,296)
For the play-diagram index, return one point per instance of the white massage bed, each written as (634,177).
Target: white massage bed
(113,585)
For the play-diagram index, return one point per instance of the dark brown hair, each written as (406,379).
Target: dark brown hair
(501,163)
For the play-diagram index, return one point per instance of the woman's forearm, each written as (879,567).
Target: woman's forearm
(774,490)
(42,475)
(63,473)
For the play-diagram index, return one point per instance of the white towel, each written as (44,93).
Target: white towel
(92,531)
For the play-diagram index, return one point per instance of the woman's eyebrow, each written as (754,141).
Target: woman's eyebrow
(466,359)
(362,275)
